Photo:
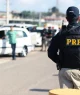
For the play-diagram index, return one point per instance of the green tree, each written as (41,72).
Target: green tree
(55,10)
(25,14)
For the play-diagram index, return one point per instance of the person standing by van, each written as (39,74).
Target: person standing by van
(12,40)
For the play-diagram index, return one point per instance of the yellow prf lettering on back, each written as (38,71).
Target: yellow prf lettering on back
(73,41)
(68,41)
(78,42)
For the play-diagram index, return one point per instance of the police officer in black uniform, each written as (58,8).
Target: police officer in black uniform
(49,35)
(43,34)
(64,50)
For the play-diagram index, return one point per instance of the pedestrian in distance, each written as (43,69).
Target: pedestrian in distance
(49,35)
(12,40)
(43,34)
(53,31)
(67,42)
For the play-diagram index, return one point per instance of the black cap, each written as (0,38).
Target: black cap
(72,12)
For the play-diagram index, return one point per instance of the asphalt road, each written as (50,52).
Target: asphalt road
(35,74)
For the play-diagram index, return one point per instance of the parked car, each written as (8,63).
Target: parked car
(23,46)
(28,27)
(39,31)
(36,36)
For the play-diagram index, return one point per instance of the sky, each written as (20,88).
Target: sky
(38,5)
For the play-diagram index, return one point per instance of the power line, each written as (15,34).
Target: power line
(40,19)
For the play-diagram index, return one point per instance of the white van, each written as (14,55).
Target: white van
(23,45)
(39,31)
(28,27)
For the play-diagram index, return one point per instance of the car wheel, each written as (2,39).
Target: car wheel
(24,52)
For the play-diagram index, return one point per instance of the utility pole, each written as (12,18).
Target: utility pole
(40,19)
(57,4)
(7,11)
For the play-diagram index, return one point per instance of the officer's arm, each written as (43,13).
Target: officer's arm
(53,49)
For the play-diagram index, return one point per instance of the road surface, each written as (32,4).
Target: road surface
(35,74)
